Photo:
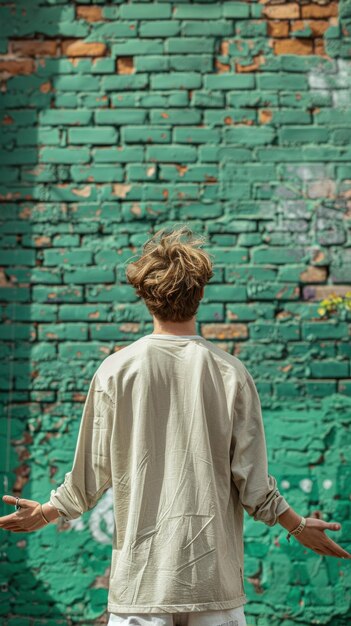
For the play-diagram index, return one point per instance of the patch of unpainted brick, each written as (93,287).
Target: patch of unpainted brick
(298,28)
(80,48)
(125,65)
(89,13)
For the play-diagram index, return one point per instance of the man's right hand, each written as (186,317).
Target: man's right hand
(314,537)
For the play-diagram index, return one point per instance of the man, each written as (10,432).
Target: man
(173,425)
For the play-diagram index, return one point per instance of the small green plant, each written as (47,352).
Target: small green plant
(334,304)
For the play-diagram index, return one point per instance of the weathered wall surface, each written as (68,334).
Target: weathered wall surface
(116,118)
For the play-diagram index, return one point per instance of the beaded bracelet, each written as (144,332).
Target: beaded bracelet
(297,530)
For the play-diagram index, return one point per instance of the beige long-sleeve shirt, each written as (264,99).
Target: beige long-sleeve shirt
(173,425)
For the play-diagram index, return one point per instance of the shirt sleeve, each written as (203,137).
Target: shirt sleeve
(91,474)
(257,488)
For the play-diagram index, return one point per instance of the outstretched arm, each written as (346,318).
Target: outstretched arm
(89,477)
(257,488)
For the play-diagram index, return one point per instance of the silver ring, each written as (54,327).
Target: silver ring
(17,505)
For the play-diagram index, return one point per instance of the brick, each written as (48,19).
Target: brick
(176,80)
(66,117)
(91,135)
(178,154)
(89,13)
(15,68)
(297,135)
(320,292)
(225,331)
(76,83)
(120,116)
(140,134)
(64,155)
(251,28)
(195,45)
(288,10)
(279,28)
(19,157)
(175,116)
(320,11)
(250,136)
(125,65)
(229,81)
(192,135)
(317,27)
(83,49)
(293,46)
(325,330)
(158,28)
(151,63)
(34,48)
(118,155)
(329,369)
(236,9)
(129,47)
(215,28)
(196,11)
(96,173)
(193,173)
(125,81)
(140,11)
(286,82)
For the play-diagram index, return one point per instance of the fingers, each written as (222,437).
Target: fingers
(13,527)
(9,499)
(7,518)
(336,550)
(331,525)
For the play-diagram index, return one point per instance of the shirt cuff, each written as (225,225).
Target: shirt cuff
(272,507)
(64,500)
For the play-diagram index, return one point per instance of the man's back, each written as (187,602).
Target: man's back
(178,544)
(177,432)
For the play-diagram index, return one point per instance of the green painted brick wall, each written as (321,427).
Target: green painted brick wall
(121,117)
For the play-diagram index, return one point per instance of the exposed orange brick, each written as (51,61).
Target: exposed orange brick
(258,61)
(14,67)
(224,48)
(278,29)
(318,10)
(32,47)
(7,120)
(314,275)
(121,190)
(318,27)
(89,13)
(224,331)
(288,10)
(125,65)
(319,292)
(293,46)
(265,116)
(182,169)
(45,87)
(83,49)
(222,67)
(319,48)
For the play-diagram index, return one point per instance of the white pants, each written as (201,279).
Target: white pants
(227,617)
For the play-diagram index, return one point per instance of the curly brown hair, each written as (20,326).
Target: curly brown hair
(170,273)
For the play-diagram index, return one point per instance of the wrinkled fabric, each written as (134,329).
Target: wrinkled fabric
(173,425)
(230,617)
